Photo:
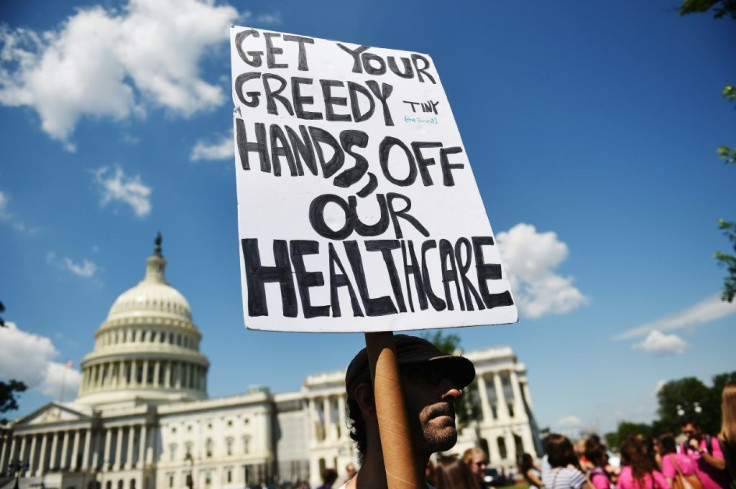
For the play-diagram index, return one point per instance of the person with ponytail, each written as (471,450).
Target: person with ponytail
(638,471)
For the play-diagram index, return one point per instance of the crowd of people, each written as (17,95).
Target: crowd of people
(699,461)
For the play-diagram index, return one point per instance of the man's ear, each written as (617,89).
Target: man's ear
(366,402)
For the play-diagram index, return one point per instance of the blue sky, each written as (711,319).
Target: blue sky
(592,130)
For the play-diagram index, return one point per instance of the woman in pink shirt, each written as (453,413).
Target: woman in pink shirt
(671,460)
(598,456)
(638,472)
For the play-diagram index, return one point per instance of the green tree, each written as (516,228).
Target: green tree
(727,260)
(9,392)
(468,407)
(721,8)
(624,429)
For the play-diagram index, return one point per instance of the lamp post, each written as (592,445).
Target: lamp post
(686,406)
(17,466)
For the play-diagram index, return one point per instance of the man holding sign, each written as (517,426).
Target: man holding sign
(431,383)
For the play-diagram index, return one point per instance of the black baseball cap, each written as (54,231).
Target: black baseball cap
(412,351)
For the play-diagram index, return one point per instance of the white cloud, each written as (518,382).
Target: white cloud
(7,218)
(569,421)
(703,312)
(115,63)
(29,358)
(659,386)
(86,269)
(658,343)
(530,259)
(221,149)
(127,190)
(4,214)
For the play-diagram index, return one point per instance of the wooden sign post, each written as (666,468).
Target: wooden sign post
(358,210)
(398,453)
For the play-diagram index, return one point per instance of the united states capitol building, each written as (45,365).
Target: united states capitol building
(142,418)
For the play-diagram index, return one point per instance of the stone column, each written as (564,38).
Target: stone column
(64,451)
(6,444)
(106,456)
(169,368)
(32,456)
(54,447)
(494,455)
(75,449)
(177,374)
(22,454)
(327,407)
(144,377)
(313,421)
(156,373)
(519,412)
(133,372)
(118,448)
(129,457)
(341,417)
(85,454)
(484,402)
(42,456)
(143,444)
(510,446)
(501,407)
(123,376)
(527,441)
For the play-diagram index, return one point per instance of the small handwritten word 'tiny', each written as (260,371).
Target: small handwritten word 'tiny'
(420,120)
(427,107)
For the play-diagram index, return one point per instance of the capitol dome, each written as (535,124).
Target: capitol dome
(147,349)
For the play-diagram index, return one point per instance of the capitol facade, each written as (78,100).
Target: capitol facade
(142,418)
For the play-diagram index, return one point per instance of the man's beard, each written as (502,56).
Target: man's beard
(438,438)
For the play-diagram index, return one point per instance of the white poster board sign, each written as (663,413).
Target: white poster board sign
(357,207)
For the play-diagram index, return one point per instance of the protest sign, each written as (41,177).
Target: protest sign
(357,206)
